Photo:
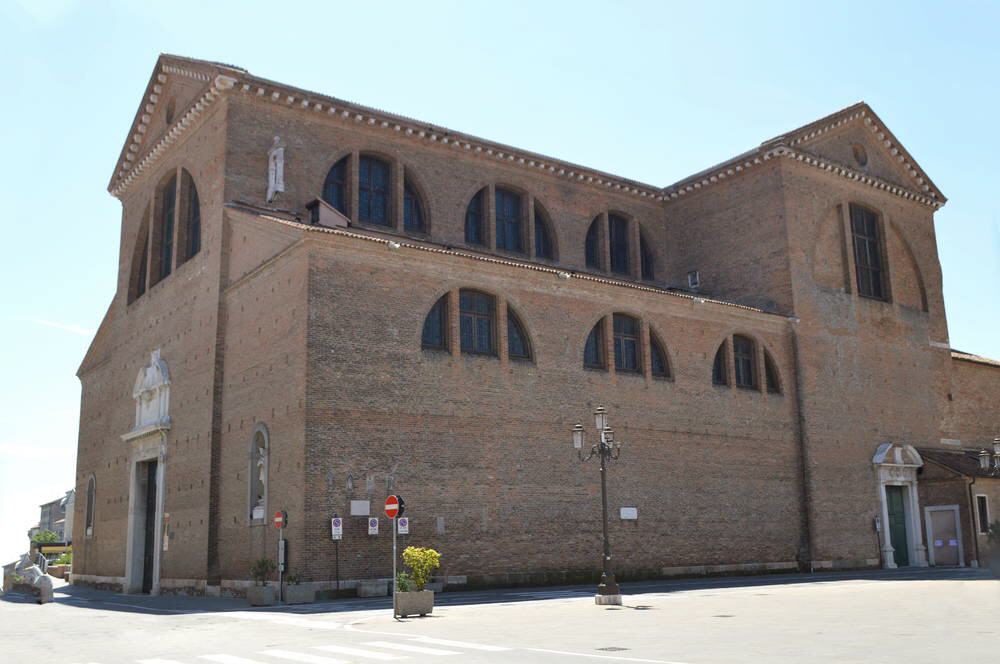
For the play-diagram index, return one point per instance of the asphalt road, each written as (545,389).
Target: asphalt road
(904,616)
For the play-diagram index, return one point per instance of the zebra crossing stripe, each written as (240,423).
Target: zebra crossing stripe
(404,647)
(229,659)
(459,644)
(157,661)
(359,652)
(302,657)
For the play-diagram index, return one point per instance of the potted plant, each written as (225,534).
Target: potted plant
(411,598)
(296,593)
(993,537)
(261,594)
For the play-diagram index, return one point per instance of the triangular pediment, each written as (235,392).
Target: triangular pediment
(176,85)
(858,139)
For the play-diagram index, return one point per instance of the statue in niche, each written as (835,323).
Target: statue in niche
(275,169)
(260,481)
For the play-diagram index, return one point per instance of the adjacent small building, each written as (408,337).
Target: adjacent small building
(57,516)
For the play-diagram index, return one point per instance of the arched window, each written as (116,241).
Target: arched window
(509,220)
(627,344)
(190,230)
(413,212)
(517,341)
(593,245)
(543,237)
(435,332)
(593,350)
(373,191)
(140,262)
(771,374)
(91,503)
(646,259)
(745,361)
(475,216)
(257,474)
(477,322)
(618,239)
(168,204)
(658,358)
(720,375)
(335,186)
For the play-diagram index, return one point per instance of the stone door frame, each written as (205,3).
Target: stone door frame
(896,465)
(148,448)
(930,531)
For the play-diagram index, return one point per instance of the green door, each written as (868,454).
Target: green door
(897,525)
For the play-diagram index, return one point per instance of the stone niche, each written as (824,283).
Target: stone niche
(151,392)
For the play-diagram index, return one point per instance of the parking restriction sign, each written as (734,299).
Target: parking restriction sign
(337,528)
(373,526)
(404,525)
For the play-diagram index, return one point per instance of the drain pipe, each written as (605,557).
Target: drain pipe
(805,478)
(972,520)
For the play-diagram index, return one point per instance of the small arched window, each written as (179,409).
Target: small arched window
(593,349)
(517,341)
(720,376)
(745,361)
(646,259)
(257,474)
(91,503)
(435,332)
(627,344)
(593,244)
(477,322)
(509,221)
(475,219)
(335,186)
(618,239)
(413,211)
(168,203)
(373,190)
(543,236)
(658,358)
(771,374)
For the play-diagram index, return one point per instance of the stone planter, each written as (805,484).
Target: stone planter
(260,595)
(297,594)
(373,588)
(417,603)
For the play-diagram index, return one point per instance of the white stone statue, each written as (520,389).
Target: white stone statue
(151,392)
(275,169)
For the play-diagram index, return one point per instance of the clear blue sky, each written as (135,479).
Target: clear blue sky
(648,90)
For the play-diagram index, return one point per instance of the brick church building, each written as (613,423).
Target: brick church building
(319,304)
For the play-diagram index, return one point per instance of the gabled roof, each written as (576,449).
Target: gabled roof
(976,359)
(963,462)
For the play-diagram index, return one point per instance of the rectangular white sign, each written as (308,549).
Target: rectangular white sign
(373,526)
(360,508)
(337,528)
(629,513)
(403,525)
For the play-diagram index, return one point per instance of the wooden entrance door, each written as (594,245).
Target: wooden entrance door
(149,536)
(944,536)
(895,498)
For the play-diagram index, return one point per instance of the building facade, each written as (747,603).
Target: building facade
(319,304)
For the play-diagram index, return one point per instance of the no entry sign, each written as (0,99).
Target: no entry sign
(393,506)
(280,519)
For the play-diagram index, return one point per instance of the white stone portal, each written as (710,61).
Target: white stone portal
(275,169)
(896,465)
(151,392)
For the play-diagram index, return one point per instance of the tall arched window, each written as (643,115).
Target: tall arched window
(475,219)
(593,244)
(618,240)
(91,504)
(509,220)
(771,374)
(373,190)
(168,205)
(745,361)
(257,474)
(720,376)
(660,365)
(140,262)
(435,331)
(477,322)
(413,211)
(593,349)
(646,259)
(189,237)
(517,341)
(335,186)
(627,344)
(543,235)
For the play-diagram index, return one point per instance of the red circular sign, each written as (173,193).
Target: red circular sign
(279,519)
(391,507)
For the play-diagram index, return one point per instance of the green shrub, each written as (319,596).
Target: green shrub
(64,559)
(45,537)
(293,579)
(421,562)
(993,534)
(262,570)
(403,582)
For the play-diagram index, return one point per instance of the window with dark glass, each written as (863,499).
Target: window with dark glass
(413,215)
(143,268)
(335,186)
(867,253)
(618,237)
(193,221)
(593,248)
(167,227)
(983,514)
(91,499)
(658,358)
(508,212)
(771,375)
(646,259)
(593,350)
(476,322)
(543,241)
(373,191)
(744,361)
(626,340)
(435,333)
(719,373)
(475,220)
(517,340)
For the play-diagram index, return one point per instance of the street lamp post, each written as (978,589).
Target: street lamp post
(606,450)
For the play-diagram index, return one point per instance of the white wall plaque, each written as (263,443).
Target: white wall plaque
(629,513)
(360,508)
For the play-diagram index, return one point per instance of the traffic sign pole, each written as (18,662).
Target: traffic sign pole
(395,602)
